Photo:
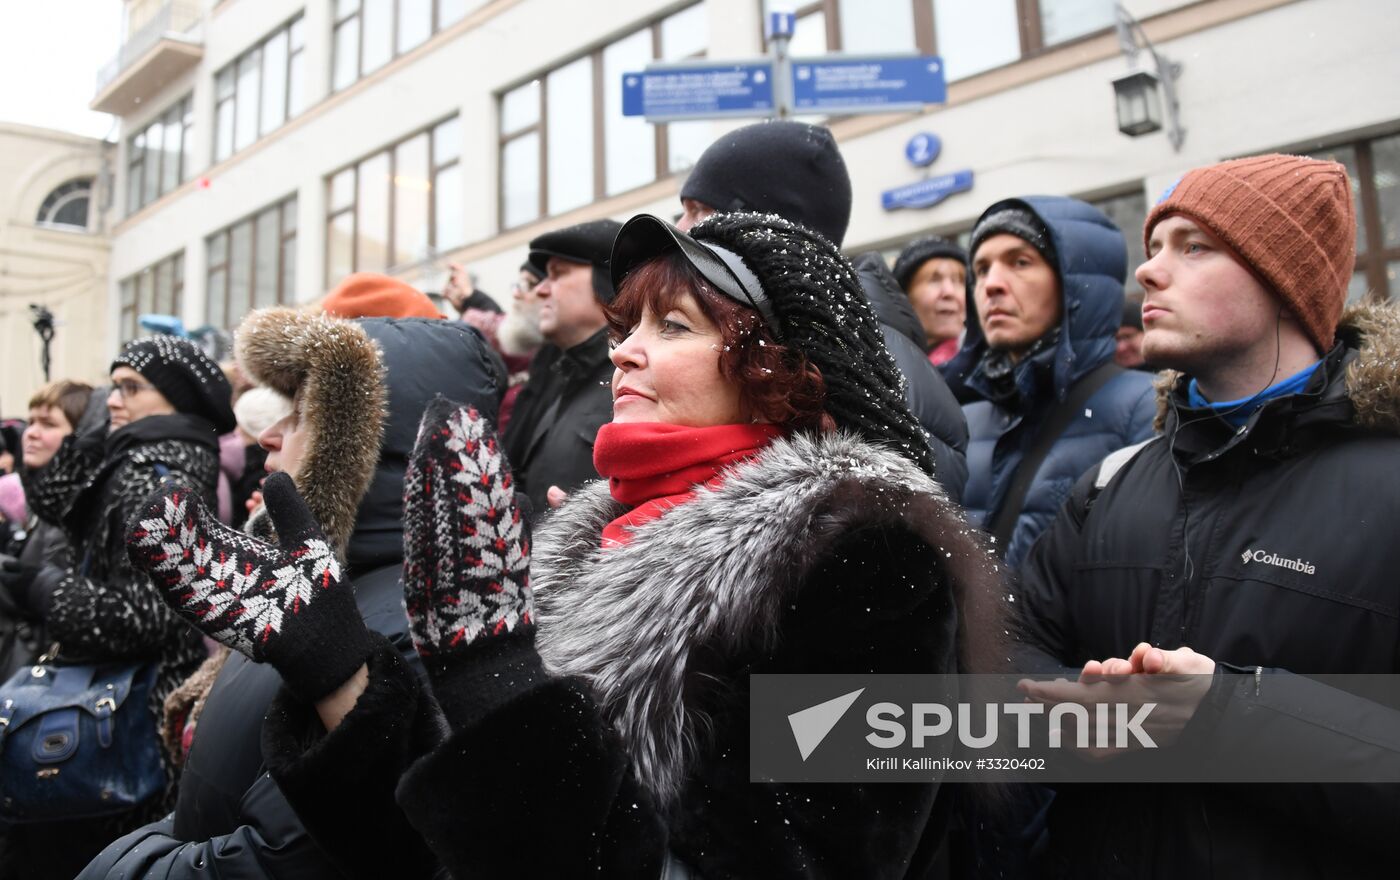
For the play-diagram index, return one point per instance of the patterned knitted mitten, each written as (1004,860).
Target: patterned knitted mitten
(466,544)
(286,604)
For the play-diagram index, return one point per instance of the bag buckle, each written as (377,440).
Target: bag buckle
(104,709)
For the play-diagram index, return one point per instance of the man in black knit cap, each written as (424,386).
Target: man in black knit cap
(795,170)
(567,398)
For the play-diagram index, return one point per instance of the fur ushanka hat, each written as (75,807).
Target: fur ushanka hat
(335,374)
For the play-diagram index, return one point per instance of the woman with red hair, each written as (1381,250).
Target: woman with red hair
(769,507)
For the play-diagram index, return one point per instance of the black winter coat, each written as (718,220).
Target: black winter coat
(549,440)
(616,741)
(1168,552)
(230,819)
(100,610)
(930,399)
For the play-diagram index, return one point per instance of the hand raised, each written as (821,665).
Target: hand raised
(287,604)
(466,544)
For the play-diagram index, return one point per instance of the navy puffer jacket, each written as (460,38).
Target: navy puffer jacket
(1091,268)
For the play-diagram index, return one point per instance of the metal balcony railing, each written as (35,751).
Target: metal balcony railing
(174,20)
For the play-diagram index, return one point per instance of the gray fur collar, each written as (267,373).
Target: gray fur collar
(714,574)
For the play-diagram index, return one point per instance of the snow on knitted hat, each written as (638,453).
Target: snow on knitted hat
(184,374)
(1289,218)
(824,314)
(1015,217)
(369,295)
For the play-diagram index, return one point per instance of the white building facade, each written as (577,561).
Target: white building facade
(269,147)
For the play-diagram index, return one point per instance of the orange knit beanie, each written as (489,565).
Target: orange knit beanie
(368,295)
(1290,218)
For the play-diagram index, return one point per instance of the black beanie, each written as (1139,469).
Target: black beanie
(824,314)
(920,251)
(782,167)
(1014,217)
(182,372)
(589,243)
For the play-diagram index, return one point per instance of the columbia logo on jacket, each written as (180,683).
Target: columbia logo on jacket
(1268,558)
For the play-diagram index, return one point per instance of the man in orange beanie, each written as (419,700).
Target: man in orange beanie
(370,295)
(1248,545)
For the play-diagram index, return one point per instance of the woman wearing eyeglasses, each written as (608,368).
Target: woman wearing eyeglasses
(769,507)
(168,405)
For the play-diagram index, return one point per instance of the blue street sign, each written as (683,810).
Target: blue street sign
(781,24)
(871,84)
(699,91)
(923,148)
(926,193)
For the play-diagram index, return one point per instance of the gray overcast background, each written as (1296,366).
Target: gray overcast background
(50,51)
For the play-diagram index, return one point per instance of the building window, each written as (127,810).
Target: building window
(158,289)
(252,264)
(1128,212)
(971,37)
(158,156)
(1374,169)
(260,90)
(564,140)
(398,206)
(67,206)
(368,34)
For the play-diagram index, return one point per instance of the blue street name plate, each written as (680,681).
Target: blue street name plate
(926,193)
(699,91)
(868,84)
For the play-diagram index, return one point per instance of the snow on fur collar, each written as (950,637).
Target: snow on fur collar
(1372,377)
(714,574)
(336,371)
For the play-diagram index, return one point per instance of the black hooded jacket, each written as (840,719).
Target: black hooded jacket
(932,403)
(230,818)
(1183,544)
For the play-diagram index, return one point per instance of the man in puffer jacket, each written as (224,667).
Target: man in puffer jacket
(1251,547)
(348,384)
(1047,290)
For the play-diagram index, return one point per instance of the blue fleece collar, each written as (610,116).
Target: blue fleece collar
(1237,412)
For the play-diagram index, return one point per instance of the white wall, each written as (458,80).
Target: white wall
(1309,72)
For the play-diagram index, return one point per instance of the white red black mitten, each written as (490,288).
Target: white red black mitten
(286,604)
(466,543)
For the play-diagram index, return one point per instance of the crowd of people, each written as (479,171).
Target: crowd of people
(481,596)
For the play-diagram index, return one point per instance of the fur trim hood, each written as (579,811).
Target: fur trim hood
(1372,383)
(335,372)
(714,576)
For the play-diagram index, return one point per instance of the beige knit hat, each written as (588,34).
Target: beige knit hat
(1289,218)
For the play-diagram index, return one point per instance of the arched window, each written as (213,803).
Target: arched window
(67,206)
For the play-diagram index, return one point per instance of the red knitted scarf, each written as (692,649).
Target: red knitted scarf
(652,467)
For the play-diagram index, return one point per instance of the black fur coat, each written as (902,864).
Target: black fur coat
(619,736)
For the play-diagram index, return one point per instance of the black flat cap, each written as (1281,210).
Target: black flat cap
(589,243)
